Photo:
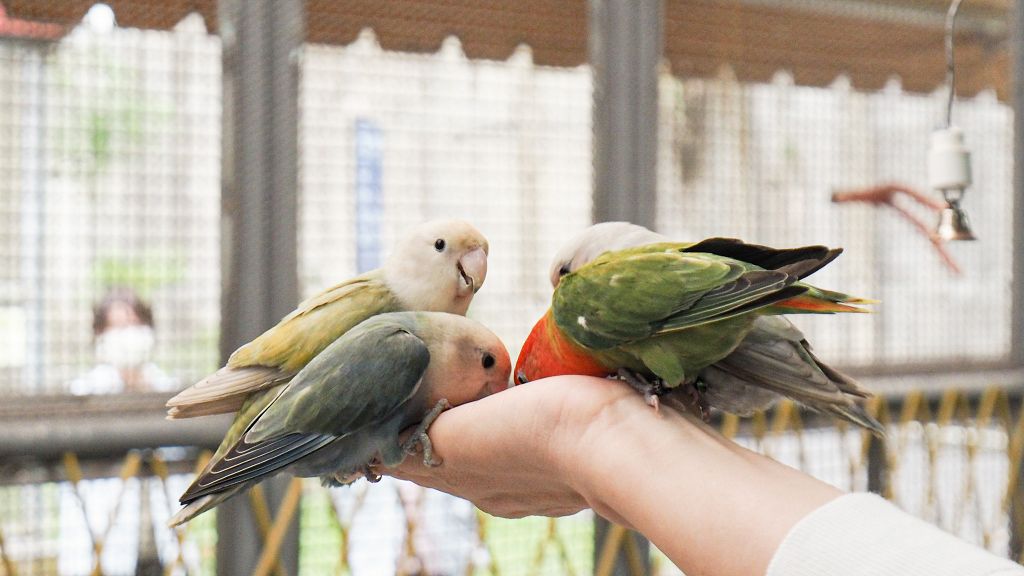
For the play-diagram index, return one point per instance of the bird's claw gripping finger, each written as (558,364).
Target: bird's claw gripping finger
(651,390)
(420,438)
(371,476)
(695,402)
(652,400)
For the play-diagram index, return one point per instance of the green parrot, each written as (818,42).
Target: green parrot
(701,317)
(344,411)
(438,266)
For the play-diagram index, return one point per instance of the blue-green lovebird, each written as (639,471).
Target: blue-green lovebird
(344,411)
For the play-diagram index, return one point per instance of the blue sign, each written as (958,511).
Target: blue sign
(369,190)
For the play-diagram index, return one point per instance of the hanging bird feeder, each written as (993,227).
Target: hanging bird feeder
(949,160)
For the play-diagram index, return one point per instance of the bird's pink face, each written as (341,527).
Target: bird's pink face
(485,371)
(500,371)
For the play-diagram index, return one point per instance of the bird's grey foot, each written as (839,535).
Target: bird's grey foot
(420,438)
(331,481)
(693,398)
(652,391)
(341,478)
(371,476)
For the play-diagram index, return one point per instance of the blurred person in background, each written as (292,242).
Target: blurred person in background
(123,339)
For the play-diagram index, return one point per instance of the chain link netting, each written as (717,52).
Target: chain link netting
(111,151)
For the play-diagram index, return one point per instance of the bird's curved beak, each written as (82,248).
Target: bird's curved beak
(493,386)
(504,371)
(473,270)
(496,386)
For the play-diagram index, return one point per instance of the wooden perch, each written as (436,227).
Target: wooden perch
(886,194)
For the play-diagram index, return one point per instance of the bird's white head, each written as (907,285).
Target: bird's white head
(438,266)
(597,240)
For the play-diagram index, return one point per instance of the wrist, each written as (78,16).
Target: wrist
(584,462)
(648,470)
(619,440)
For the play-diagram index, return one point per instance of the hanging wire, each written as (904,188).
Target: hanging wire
(950,62)
(952,195)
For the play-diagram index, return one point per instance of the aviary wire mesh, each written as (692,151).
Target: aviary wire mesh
(761,162)
(110,175)
(390,139)
(109,180)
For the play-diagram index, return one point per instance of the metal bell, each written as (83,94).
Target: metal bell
(953,224)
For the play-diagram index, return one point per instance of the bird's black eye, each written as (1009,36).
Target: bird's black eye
(563,270)
(520,377)
(488,361)
(439,244)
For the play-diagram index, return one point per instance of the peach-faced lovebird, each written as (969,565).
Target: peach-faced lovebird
(700,317)
(343,411)
(438,266)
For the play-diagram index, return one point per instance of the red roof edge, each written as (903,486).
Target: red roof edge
(27,29)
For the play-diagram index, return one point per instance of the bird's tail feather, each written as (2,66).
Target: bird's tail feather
(856,414)
(817,301)
(202,504)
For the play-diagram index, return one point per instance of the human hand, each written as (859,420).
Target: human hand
(558,445)
(516,453)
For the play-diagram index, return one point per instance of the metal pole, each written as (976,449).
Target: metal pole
(33,215)
(1017,59)
(625,45)
(1017,100)
(261,40)
(877,467)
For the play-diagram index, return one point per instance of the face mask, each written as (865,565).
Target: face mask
(127,347)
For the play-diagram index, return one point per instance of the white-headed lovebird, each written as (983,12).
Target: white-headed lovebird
(437,267)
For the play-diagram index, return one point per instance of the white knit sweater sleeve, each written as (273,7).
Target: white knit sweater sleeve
(864,535)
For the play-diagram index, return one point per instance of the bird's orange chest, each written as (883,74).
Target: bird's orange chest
(563,356)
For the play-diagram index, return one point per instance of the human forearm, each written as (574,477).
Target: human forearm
(712,506)
(556,446)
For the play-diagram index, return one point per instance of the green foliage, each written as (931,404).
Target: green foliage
(143,273)
(522,546)
(111,122)
(203,533)
(99,130)
(515,546)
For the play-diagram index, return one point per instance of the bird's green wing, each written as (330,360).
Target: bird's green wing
(360,380)
(801,262)
(279,353)
(356,382)
(317,322)
(632,294)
